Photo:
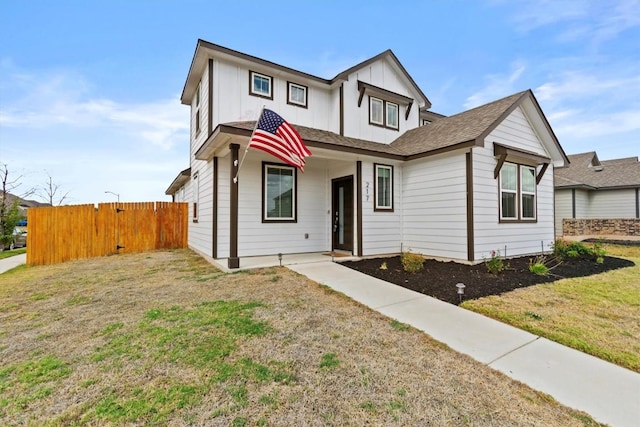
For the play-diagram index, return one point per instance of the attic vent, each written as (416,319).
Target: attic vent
(598,168)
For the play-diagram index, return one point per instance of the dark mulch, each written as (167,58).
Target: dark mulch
(438,279)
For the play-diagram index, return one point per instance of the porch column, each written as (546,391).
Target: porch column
(233,261)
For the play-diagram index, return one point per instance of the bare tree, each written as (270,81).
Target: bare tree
(52,192)
(10,213)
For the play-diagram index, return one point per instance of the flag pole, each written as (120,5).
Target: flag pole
(235,178)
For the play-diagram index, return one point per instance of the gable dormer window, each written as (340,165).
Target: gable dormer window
(260,85)
(392,115)
(384,105)
(383,113)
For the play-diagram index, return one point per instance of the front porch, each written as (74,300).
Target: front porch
(265,261)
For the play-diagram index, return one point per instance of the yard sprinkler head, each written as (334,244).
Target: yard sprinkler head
(280,258)
(460,287)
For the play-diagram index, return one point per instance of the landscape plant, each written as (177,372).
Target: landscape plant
(495,264)
(412,262)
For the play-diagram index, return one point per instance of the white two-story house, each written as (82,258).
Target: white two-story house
(386,174)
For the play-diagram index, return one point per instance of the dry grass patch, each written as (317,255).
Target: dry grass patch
(599,315)
(164,338)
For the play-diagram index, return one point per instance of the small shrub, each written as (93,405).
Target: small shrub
(383,266)
(495,264)
(411,262)
(564,249)
(538,266)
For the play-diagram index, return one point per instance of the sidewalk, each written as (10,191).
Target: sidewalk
(609,393)
(12,262)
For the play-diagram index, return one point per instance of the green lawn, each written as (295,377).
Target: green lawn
(164,338)
(599,315)
(7,254)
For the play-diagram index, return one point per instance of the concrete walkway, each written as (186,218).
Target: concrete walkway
(609,393)
(12,262)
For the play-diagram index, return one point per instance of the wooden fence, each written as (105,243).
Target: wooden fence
(65,233)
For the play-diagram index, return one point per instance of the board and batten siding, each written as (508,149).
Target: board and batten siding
(381,230)
(434,216)
(382,74)
(518,238)
(232,102)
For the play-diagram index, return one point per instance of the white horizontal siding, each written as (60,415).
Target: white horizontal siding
(490,234)
(582,203)
(200,233)
(258,238)
(434,206)
(381,230)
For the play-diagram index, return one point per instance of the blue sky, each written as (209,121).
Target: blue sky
(89,90)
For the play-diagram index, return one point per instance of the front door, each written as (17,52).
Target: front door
(342,213)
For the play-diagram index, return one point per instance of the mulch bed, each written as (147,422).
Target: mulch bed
(438,279)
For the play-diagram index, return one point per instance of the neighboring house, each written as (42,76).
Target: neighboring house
(590,188)
(386,174)
(23,204)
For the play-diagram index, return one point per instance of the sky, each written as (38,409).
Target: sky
(90,90)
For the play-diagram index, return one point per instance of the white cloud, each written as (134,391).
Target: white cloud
(63,98)
(54,121)
(498,86)
(582,20)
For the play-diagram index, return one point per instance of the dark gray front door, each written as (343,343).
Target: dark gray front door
(342,213)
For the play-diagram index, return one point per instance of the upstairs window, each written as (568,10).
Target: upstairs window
(383,182)
(375,111)
(260,85)
(297,94)
(197,115)
(392,115)
(383,113)
(517,192)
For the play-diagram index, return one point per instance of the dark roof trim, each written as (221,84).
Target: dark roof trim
(510,152)
(383,93)
(501,118)
(441,150)
(203,44)
(179,181)
(387,53)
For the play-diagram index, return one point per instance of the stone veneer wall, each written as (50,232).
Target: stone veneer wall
(601,227)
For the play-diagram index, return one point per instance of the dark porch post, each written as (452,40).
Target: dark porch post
(234,261)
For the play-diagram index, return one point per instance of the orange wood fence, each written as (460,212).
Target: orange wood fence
(65,233)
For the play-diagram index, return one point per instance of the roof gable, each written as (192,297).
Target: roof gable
(470,127)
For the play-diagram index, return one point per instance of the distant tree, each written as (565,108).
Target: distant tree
(52,192)
(10,213)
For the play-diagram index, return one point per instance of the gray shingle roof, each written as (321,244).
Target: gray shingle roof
(587,170)
(444,133)
(463,127)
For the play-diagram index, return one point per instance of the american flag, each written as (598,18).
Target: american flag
(278,138)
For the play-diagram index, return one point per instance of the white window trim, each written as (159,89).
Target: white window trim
(377,205)
(519,193)
(373,99)
(196,196)
(294,196)
(386,115)
(252,88)
(523,193)
(291,101)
